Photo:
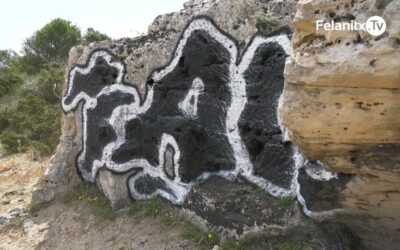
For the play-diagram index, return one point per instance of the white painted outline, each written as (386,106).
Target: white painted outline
(125,113)
(190,110)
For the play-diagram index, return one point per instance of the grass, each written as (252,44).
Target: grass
(235,245)
(157,208)
(292,246)
(267,244)
(286,201)
(260,192)
(97,200)
(206,240)
(31,209)
(154,208)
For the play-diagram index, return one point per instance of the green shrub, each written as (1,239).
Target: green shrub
(33,124)
(12,143)
(286,201)
(31,209)
(92,35)
(30,87)
(50,80)
(9,80)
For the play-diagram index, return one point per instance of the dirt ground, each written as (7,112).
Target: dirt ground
(70,225)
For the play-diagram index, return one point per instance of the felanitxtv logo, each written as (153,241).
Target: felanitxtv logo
(375,26)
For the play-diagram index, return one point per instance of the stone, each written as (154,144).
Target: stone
(15,212)
(193,116)
(340,107)
(3,221)
(142,56)
(114,188)
(237,209)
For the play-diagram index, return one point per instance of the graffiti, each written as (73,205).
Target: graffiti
(210,111)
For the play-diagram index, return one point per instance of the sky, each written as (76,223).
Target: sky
(19,19)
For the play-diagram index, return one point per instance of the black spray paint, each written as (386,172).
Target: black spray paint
(206,113)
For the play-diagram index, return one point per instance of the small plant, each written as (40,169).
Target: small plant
(234,245)
(154,208)
(293,246)
(97,200)
(203,239)
(286,201)
(266,20)
(168,219)
(135,210)
(260,192)
(31,209)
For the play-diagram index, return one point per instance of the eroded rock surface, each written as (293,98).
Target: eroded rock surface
(341,104)
(143,55)
(339,107)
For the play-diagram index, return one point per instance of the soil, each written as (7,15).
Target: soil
(72,225)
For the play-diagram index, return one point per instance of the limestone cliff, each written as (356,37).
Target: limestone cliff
(341,104)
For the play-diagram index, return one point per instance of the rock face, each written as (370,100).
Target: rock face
(191,109)
(189,124)
(340,107)
(188,103)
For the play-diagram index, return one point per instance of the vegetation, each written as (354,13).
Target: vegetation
(92,35)
(30,87)
(286,201)
(234,245)
(31,209)
(98,201)
(203,239)
(53,41)
(153,208)
(158,209)
(266,22)
(292,246)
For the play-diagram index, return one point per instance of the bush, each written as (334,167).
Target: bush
(50,81)
(9,80)
(30,64)
(33,124)
(30,87)
(31,209)
(12,142)
(92,35)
